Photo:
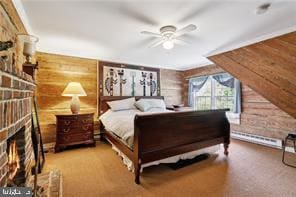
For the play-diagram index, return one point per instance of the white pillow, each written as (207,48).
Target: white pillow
(123,104)
(143,105)
(156,103)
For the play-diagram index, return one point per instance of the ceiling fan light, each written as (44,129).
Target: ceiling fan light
(168,45)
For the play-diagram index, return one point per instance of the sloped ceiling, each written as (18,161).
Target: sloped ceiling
(267,67)
(110,30)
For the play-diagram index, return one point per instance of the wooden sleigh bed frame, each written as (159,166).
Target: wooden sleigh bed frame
(159,136)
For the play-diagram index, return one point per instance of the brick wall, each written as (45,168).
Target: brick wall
(15,113)
(16,91)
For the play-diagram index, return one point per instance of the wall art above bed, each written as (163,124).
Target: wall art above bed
(116,79)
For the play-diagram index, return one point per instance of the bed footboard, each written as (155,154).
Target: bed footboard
(158,136)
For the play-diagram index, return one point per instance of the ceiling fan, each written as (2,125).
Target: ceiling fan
(169,35)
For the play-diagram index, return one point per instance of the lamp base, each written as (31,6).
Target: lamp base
(75,104)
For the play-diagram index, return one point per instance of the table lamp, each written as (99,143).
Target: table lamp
(75,90)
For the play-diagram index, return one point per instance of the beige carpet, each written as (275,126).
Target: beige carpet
(250,170)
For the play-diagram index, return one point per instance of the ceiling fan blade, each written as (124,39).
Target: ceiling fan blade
(186,29)
(145,42)
(150,33)
(180,42)
(158,42)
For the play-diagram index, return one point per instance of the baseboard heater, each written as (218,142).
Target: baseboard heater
(271,142)
(257,139)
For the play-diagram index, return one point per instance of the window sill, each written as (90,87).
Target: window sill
(233,118)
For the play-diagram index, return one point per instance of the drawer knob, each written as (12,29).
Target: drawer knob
(84,121)
(66,130)
(85,127)
(67,122)
(66,138)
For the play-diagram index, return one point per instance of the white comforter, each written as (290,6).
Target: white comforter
(121,123)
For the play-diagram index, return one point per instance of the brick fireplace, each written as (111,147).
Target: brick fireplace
(16,93)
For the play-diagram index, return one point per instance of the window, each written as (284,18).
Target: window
(202,99)
(216,92)
(213,95)
(223,96)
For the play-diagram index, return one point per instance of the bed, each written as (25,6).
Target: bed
(158,136)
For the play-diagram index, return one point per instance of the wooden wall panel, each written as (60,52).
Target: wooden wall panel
(268,67)
(54,72)
(171,85)
(259,116)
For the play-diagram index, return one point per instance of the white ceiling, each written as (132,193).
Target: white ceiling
(110,30)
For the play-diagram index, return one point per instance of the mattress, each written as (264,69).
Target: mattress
(121,123)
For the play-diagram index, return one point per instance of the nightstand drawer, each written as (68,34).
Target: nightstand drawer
(74,122)
(65,122)
(78,137)
(75,128)
(86,121)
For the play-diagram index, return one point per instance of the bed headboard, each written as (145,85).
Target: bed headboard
(103,106)
(119,81)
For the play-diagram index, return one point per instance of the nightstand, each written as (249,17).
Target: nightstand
(74,129)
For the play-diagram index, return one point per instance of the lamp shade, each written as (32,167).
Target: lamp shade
(74,88)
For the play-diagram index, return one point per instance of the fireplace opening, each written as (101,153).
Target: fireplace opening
(13,161)
(17,170)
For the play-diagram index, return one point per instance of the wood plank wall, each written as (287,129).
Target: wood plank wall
(258,116)
(268,67)
(55,71)
(261,117)
(171,86)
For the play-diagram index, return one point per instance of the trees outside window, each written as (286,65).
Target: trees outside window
(213,95)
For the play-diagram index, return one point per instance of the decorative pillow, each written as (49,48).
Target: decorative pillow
(156,103)
(143,105)
(123,104)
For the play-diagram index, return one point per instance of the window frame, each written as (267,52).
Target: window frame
(213,95)
(233,118)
